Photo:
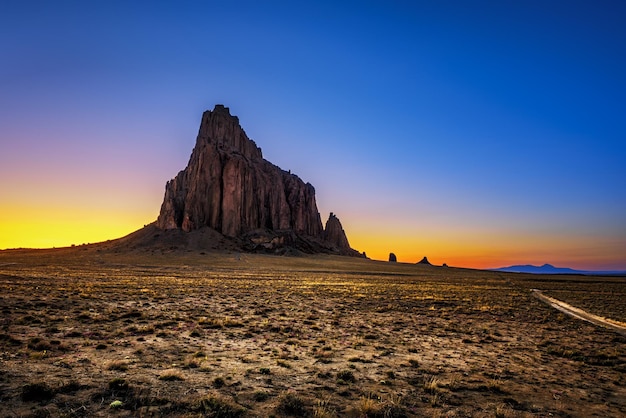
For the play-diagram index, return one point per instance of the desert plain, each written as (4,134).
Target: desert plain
(91,332)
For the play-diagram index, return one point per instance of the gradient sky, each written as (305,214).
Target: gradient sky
(477,133)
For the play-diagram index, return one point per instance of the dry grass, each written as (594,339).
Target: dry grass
(93,333)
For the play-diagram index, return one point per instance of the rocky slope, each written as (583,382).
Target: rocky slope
(334,233)
(229,187)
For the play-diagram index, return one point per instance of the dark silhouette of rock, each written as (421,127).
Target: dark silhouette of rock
(424,261)
(392,258)
(334,233)
(229,187)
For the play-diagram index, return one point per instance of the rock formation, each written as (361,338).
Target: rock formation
(229,187)
(334,233)
(424,261)
(392,258)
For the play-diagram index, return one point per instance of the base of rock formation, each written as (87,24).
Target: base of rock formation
(253,205)
(263,241)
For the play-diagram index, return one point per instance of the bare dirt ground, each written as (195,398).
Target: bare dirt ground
(88,333)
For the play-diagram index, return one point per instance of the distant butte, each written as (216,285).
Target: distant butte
(230,197)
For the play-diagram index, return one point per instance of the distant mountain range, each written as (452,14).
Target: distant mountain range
(550,269)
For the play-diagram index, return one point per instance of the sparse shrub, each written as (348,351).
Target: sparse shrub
(131,314)
(323,409)
(119,365)
(369,407)
(191,363)
(10,340)
(260,396)
(37,392)
(284,364)
(38,355)
(171,375)
(453,382)
(359,360)
(232,323)
(374,407)
(217,407)
(431,384)
(70,387)
(291,404)
(394,408)
(505,411)
(264,370)
(218,382)
(211,323)
(495,386)
(346,376)
(324,354)
(39,344)
(146,329)
(118,385)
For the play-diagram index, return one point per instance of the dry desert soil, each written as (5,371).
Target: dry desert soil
(91,333)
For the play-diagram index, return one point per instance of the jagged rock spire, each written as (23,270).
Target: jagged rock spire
(228,186)
(334,233)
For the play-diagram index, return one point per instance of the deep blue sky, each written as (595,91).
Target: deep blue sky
(477,133)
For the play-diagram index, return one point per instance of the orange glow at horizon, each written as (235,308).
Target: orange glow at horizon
(62,227)
(473,249)
(56,226)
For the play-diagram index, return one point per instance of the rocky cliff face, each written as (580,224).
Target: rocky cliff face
(229,187)
(334,233)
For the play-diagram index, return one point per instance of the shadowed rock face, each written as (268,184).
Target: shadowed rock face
(334,233)
(424,261)
(229,187)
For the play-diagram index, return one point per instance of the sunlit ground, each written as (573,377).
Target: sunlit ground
(88,332)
